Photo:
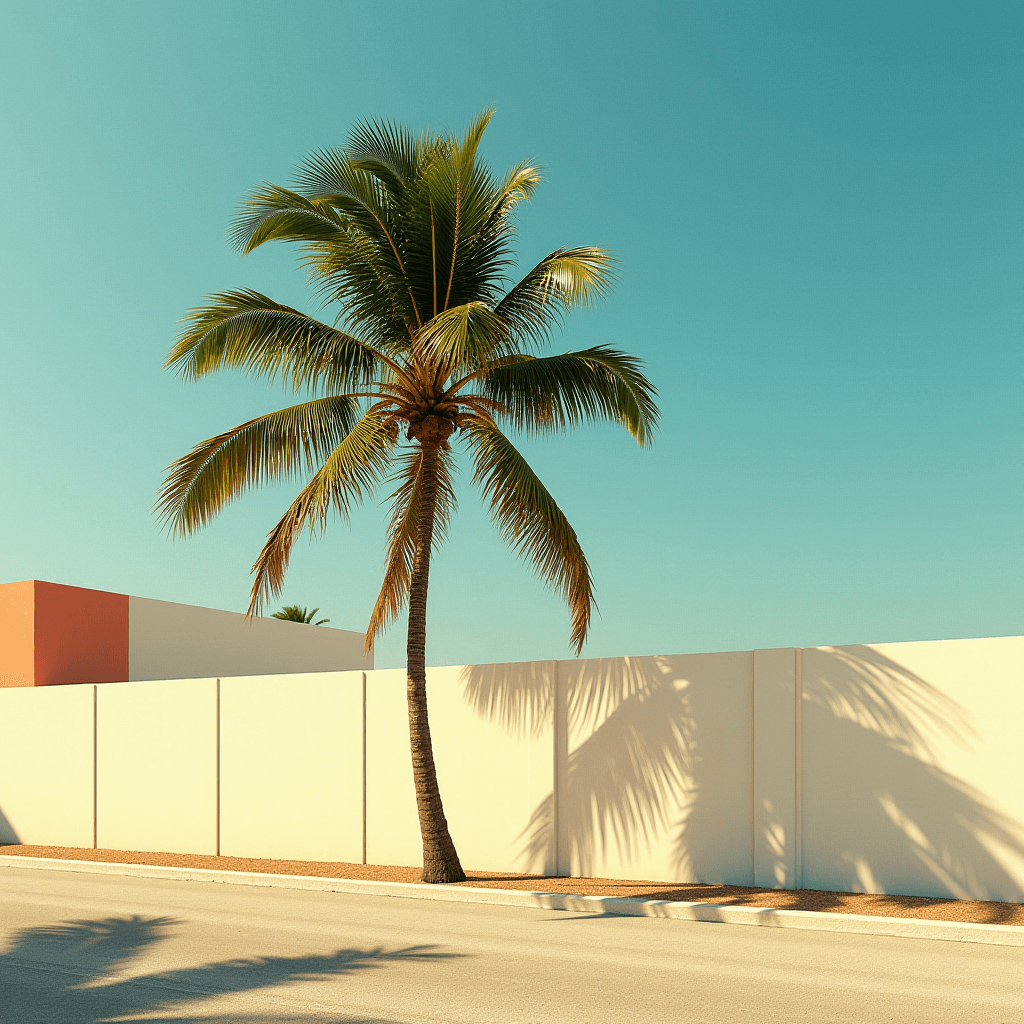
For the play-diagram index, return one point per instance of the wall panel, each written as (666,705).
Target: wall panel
(896,769)
(292,766)
(46,766)
(494,753)
(657,782)
(157,766)
(912,774)
(392,827)
(775,769)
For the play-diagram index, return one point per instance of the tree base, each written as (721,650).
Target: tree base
(442,871)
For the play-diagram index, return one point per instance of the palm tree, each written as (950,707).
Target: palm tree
(411,236)
(293,613)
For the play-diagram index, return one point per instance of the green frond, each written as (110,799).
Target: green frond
(469,144)
(247,331)
(465,338)
(428,227)
(556,392)
(471,232)
(405,506)
(520,184)
(263,450)
(390,152)
(332,177)
(293,613)
(354,469)
(271,213)
(372,277)
(562,280)
(531,521)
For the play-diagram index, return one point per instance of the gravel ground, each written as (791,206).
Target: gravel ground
(975,911)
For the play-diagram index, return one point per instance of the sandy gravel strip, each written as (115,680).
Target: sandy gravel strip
(764,917)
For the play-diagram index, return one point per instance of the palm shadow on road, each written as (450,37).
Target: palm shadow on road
(94,960)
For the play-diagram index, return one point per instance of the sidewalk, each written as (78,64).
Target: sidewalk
(919,908)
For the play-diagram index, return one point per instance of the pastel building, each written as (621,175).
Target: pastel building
(51,634)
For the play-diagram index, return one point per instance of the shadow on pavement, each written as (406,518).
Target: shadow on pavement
(82,963)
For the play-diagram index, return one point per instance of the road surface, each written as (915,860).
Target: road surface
(91,949)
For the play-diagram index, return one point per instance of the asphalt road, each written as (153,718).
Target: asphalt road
(91,949)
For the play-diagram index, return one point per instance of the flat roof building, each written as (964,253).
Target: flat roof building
(52,634)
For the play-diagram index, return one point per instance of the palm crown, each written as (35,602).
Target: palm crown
(412,238)
(295,613)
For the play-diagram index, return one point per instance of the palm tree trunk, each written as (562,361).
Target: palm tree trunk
(440,860)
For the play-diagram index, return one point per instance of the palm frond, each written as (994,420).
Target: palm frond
(469,144)
(519,184)
(562,280)
(465,338)
(555,392)
(391,152)
(271,213)
(531,521)
(293,613)
(355,467)
(471,231)
(245,330)
(263,450)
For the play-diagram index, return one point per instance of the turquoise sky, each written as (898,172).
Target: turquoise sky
(820,215)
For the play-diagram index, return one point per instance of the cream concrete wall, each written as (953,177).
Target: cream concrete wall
(181,641)
(46,765)
(656,783)
(157,766)
(912,770)
(291,775)
(884,768)
(494,753)
(392,828)
(775,784)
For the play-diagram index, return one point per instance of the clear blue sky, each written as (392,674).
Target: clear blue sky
(819,211)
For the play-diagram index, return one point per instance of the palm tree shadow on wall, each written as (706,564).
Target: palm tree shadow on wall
(630,770)
(87,955)
(7,833)
(887,816)
(659,762)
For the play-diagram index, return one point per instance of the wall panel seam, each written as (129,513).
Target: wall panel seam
(798,738)
(364,767)
(218,768)
(554,766)
(95,767)
(753,768)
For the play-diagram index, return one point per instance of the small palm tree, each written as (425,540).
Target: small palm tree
(293,613)
(411,237)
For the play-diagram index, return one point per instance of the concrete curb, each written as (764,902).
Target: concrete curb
(764,917)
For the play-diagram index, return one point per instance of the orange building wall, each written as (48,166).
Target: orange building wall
(81,636)
(17,634)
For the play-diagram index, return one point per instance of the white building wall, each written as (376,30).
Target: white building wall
(775,784)
(291,766)
(46,765)
(656,779)
(156,766)
(913,777)
(882,768)
(182,641)
(494,769)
